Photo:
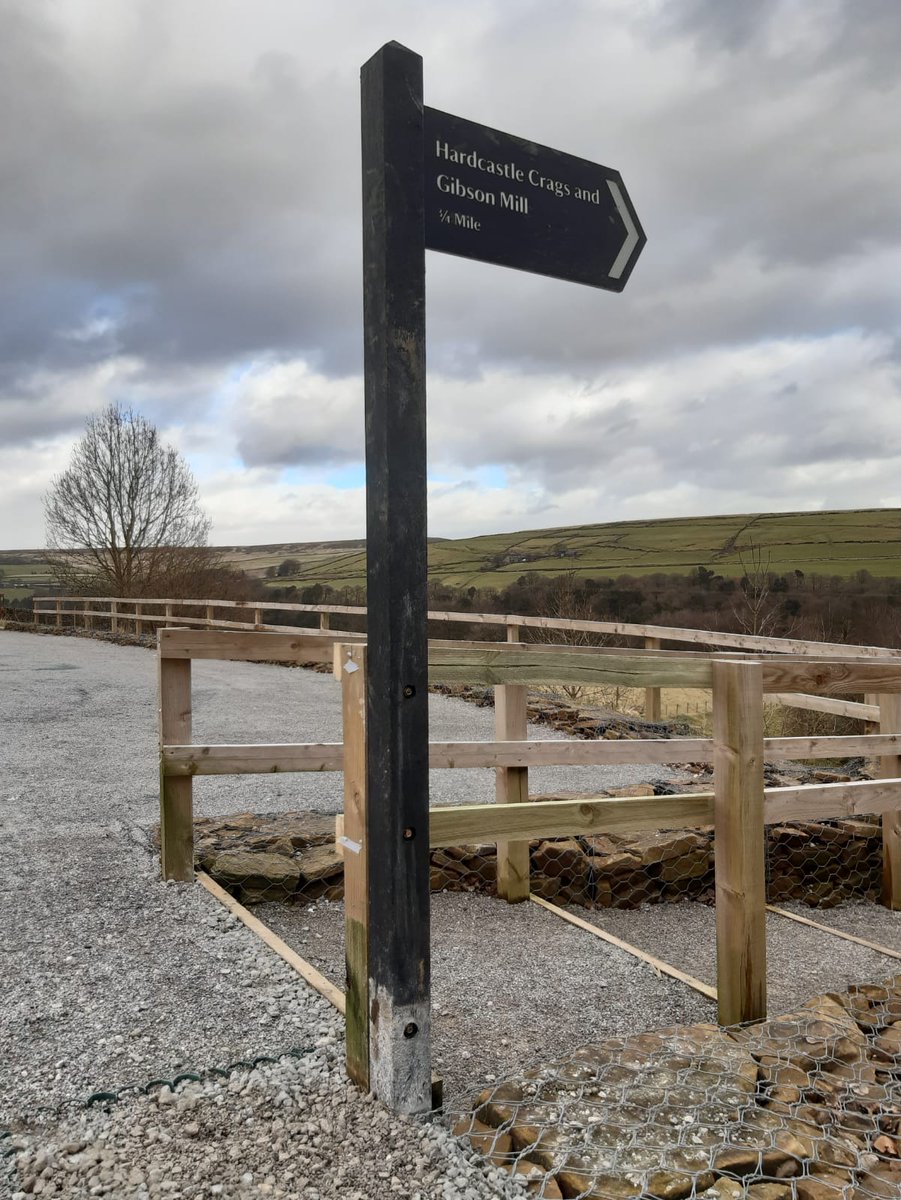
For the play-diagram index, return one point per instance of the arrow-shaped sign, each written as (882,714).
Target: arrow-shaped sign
(496,197)
(633,233)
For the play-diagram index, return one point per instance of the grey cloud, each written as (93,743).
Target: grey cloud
(26,419)
(729,423)
(559,451)
(205,214)
(215,214)
(265,447)
(721,24)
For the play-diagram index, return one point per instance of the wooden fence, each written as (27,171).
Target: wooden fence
(739,808)
(145,613)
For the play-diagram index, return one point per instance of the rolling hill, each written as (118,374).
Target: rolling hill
(825,543)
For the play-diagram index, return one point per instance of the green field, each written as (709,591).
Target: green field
(22,573)
(823,543)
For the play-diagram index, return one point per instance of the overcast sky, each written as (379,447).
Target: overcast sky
(180,230)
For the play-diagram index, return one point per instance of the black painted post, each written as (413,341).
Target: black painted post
(397,828)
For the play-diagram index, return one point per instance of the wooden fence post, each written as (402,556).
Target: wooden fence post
(890,768)
(323,620)
(258,616)
(350,669)
(512,787)
(59,613)
(740,840)
(113,616)
(176,793)
(139,624)
(653,708)
(514,633)
(872,726)
(168,613)
(209,616)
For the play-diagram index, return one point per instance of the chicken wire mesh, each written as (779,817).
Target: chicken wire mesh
(292,857)
(624,871)
(804,1106)
(825,863)
(285,857)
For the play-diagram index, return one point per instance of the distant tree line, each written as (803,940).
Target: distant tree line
(861,608)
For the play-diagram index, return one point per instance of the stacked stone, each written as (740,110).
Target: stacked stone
(292,857)
(825,863)
(271,857)
(804,1106)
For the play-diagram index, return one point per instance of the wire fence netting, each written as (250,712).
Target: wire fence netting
(804,1106)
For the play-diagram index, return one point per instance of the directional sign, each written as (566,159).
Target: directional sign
(501,199)
(430,180)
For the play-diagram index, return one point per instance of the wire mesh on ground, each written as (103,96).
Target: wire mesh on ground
(805,1106)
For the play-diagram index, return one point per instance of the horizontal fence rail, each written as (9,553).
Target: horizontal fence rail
(288,758)
(454,825)
(702,637)
(793,691)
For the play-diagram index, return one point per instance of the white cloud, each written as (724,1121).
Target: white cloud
(256,506)
(285,413)
(24,475)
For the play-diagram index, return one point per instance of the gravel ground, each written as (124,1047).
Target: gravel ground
(801,962)
(511,984)
(292,1129)
(112,978)
(870,921)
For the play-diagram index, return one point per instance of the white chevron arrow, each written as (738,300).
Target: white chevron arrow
(625,250)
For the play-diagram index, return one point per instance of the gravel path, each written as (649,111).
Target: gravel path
(801,962)
(292,1129)
(511,984)
(112,978)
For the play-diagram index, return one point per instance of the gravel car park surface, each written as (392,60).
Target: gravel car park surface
(512,984)
(114,979)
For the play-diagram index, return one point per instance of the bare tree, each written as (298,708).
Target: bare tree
(124,518)
(755,607)
(566,602)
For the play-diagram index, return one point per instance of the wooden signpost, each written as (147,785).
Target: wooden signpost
(431,180)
